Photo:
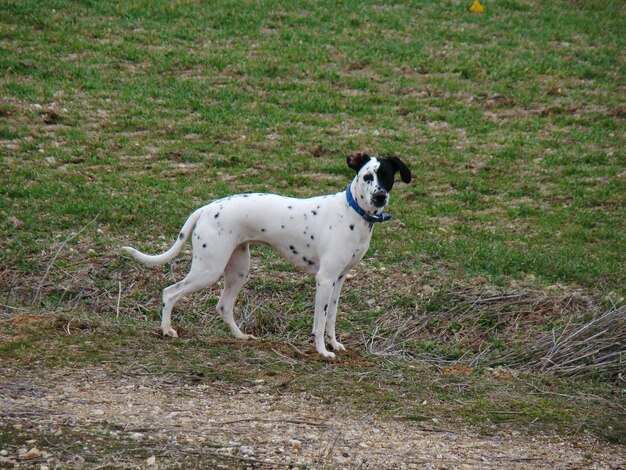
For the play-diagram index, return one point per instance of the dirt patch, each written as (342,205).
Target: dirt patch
(136,417)
(358,65)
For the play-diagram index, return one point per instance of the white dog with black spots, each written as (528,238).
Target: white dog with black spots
(325,236)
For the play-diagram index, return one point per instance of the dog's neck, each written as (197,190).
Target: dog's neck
(371,216)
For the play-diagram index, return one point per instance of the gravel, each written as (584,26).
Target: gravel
(71,418)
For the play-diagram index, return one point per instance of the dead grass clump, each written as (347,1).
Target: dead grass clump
(51,117)
(471,318)
(580,348)
(559,332)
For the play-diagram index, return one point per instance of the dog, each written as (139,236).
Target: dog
(325,236)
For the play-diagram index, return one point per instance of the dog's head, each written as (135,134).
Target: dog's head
(374,179)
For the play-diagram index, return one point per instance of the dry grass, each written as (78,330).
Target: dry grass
(591,348)
(560,331)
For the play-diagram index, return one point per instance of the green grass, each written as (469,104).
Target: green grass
(527,182)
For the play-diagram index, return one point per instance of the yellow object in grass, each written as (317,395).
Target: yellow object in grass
(477,7)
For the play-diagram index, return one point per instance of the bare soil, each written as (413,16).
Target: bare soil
(123,417)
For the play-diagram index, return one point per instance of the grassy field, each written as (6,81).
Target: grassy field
(117,119)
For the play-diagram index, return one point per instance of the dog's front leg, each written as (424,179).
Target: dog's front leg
(323,296)
(332,315)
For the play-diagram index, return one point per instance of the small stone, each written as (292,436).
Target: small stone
(97,412)
(31,454)
(151,460)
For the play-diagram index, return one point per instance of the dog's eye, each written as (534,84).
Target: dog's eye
(368,177)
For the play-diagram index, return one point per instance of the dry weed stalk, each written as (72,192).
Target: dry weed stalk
(474,321)
(593,348)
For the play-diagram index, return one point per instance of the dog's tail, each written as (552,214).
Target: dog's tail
(156,260)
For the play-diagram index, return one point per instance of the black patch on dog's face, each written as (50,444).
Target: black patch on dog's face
(387,170)
(385,174)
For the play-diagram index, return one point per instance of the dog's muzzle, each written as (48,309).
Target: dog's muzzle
(379,199)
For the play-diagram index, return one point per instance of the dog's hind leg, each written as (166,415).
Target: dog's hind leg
(203,273)
(235,276)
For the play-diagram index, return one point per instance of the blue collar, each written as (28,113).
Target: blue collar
(359,210)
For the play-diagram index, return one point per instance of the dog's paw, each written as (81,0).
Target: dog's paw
(171,332)
(244,337)
(336,345)
(327,354)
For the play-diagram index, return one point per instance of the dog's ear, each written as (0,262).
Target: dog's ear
(405,173)
(357,160)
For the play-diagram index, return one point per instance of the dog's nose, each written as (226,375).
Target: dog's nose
(379,198)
